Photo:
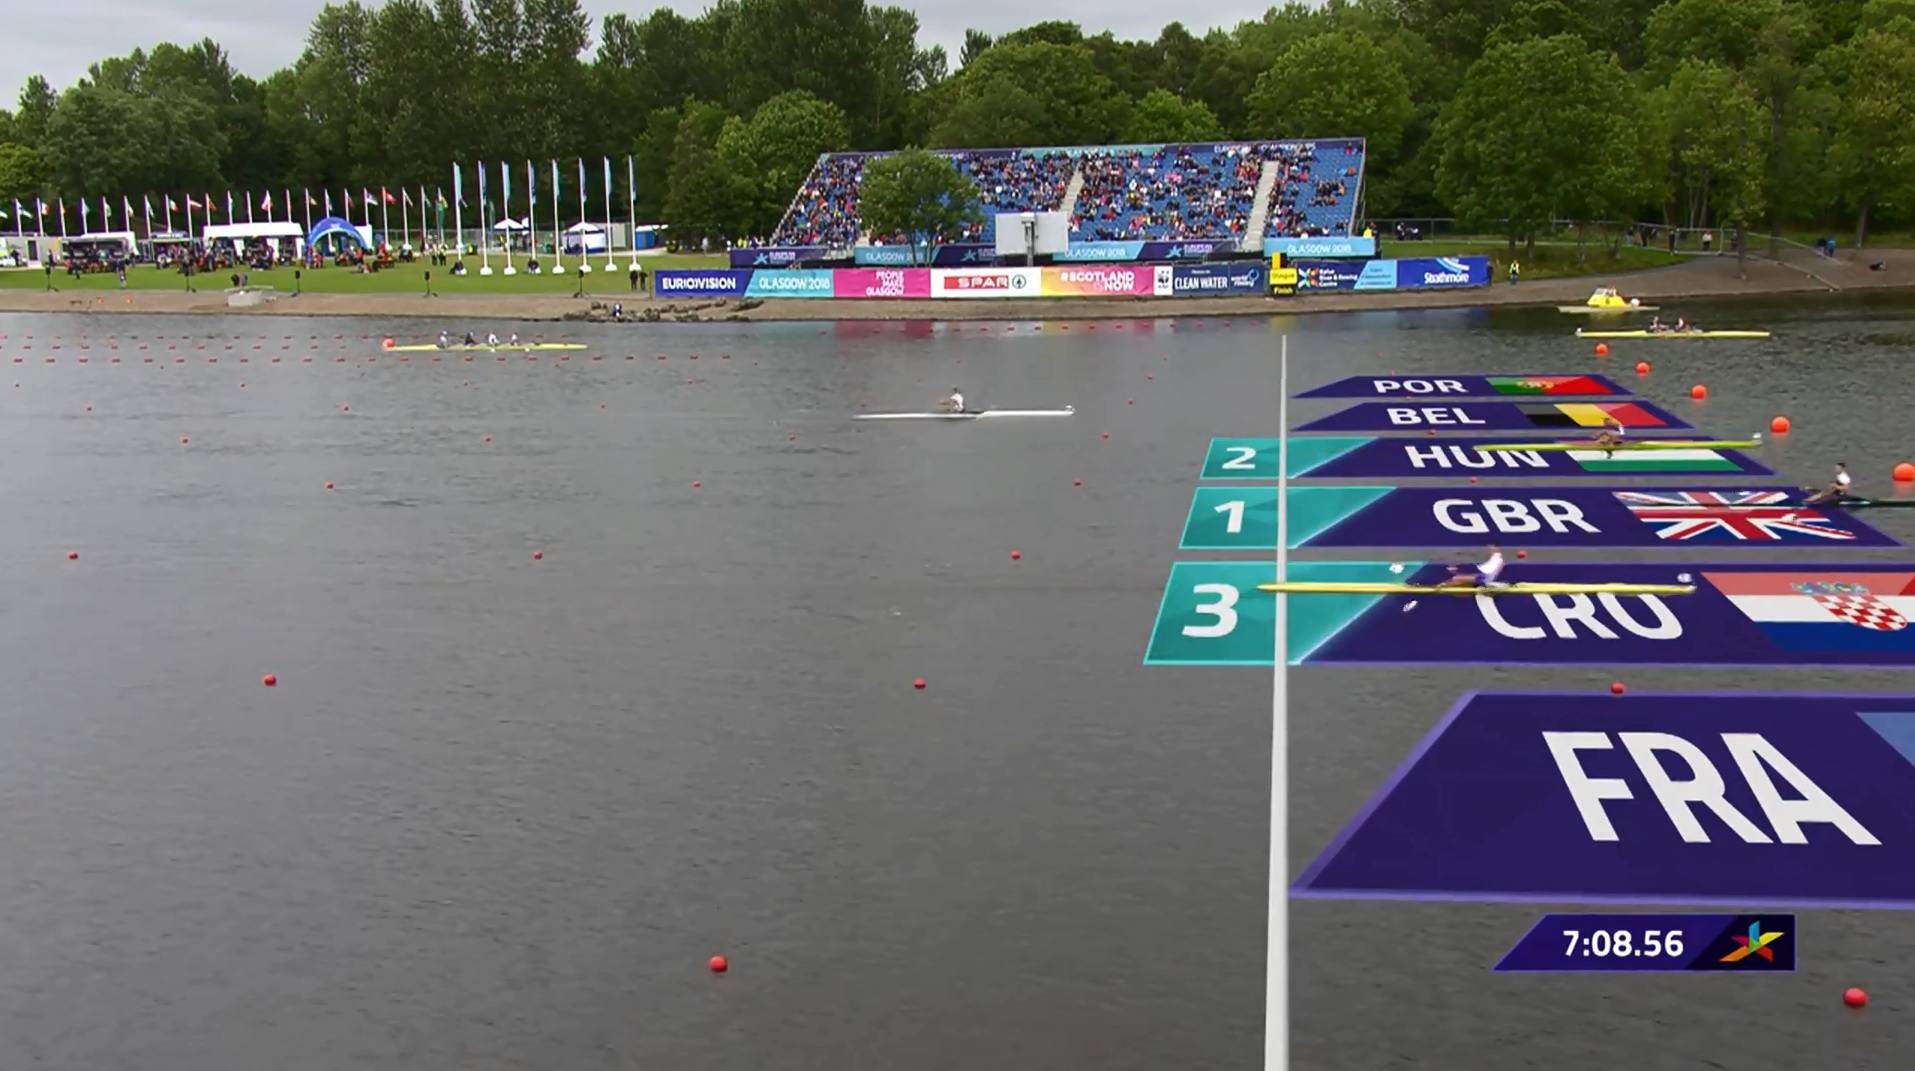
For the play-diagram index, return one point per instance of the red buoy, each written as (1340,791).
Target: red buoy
(1855,997)
(1905,472)
(1077,483)
(1780,425)
(488,438)
(270,680)
(1522,554)
(1107,435)
(1642,368)
(73,555)
(698,483)
(1602,349)
(1017,555)
(918,684)
(1616,688)
(719,965)
(328,485)
(538,555)
(1698,392)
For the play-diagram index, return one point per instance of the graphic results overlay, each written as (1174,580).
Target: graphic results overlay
(1732,615)
(1756,944)
(1485,416)
(1735,800)
(1364,457)
(1244,517)
(1469,387)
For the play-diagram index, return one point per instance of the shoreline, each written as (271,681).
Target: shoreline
(1706,277)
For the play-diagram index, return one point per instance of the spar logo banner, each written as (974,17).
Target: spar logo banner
(1743,799)
(1099,281)
(1357,457)
(791,283)
(1466,386)
(1465,416)
(1424,273)
(1205,280)
(701,283)
(1740,615)
(984,282)
(1320,247)
(1227,517)
(881,283)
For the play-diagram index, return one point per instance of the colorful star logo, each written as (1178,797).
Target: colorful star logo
(1755,943)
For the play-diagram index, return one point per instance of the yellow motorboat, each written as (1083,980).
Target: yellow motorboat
(1607,301)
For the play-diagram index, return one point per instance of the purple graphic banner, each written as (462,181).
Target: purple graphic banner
(1739,615)
(1743,799)
(1440,386)
(1582,943)
(777,256)
(1365,458)
(1485,416)
(1748,517)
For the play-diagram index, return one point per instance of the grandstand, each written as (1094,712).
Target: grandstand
(1232,191)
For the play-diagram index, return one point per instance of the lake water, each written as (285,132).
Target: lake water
(498,811)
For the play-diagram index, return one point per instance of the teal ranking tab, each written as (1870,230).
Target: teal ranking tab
(1256,459)
(1213,615)
(1245,517)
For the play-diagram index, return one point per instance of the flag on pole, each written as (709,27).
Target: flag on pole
(328,196)
(63,218)
(85,214)
(166,204)
(146,213)
(531,211)
(126,212)
(40,218)
(558,236)
(631,204)
(505,182)
(229,206)
(249,205)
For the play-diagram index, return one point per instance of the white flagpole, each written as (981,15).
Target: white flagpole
(505,210)
(385,220)
(584,268)
(609,266)
(405,216)
(558,236)
(166,203)
(458,214)
(631,206)
(532,217)
(1276,990)
(485,227)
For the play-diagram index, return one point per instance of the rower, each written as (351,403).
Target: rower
(469,340)
(1656,324)
(1682,324)
(492,338)
(1611,435)
(515,338)
(444,339)
(1836,490)
(1484,576)
(953,404)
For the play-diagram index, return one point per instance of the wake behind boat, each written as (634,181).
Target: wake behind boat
(986,414)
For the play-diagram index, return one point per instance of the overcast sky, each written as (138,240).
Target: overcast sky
(263,35)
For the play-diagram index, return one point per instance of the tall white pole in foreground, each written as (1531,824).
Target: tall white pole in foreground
(1276,989)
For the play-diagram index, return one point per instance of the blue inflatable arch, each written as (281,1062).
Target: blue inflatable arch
(332,225)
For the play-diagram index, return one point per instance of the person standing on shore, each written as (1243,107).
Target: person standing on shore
(1515,272)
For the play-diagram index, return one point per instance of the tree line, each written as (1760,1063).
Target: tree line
(1505,113)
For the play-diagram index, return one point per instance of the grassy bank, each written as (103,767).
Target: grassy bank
(1552,260)
(399,279)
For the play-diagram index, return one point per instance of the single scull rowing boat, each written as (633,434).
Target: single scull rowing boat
(1311,587)
(988,414)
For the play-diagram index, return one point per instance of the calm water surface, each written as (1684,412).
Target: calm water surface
(498,812)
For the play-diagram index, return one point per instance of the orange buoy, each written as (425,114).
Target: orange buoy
(719,964)
(1616,688)
(1855,997)
(1642,368)
(1905,472)
(1602,349)
(270,680)
(918,684)
(1698,392)
(1780,425)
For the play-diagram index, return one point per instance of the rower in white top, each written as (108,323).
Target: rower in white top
(1611,435)
(492,339)
(1835,491)
(953,404)
(1485,575)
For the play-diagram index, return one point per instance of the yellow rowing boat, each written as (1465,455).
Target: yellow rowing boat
(1580,333)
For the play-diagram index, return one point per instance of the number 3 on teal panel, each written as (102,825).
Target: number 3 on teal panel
(1232,518)
(1213,615)
(1241,459)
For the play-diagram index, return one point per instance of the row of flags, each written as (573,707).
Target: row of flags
(40,216)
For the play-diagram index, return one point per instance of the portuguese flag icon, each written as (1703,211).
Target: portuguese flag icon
(1538,385)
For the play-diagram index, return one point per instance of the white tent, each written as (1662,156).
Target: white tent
(587,236)
(509,225)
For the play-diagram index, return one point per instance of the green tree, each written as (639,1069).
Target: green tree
(1334,85)
(1163,117)
(763,159)
(695,205)
(975,42)
(23,174)
(1539,128)
(1712,141)
(824,47)
(37,101)
(1056,93)
(652,161)
(919,195)
(1872,150)
(1728,32)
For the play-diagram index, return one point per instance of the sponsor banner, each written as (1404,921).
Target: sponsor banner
(1121,252)
(881,283)
(1320,247)
(1098,281)
(776,256)
(1771,614)
(1313,275)
(943,256)
(984,282)
(1468,416)
(1732,799)
(1423,273)
(701,282)
(1225,517)
(1203,280)
(1362,457)
(790,283)
(1583,942)
(1467,386)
